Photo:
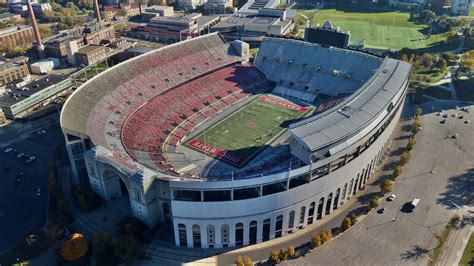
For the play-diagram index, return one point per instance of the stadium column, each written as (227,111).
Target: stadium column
(259,230)
(189,235)
(75,149)
(272,227)
(203,228)
(217,235)
(232,235)
(246,232)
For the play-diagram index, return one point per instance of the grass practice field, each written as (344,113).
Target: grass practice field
(245,133)
(380,30)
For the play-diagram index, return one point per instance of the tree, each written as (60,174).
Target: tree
(102,242)
(126,248)
(12,52)
(239,261)
(441,64)
(274,257)
(291,251)
(385,187)
(131,225)
(397,171)
(316,240)
(411,143)
(283,255)
(75,248)
(450,57)
(326,235)
(373,203)
(404,158)
(230,10)
(346,223)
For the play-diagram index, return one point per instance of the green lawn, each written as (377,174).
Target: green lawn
(380,30)
(468,254)
(246,132)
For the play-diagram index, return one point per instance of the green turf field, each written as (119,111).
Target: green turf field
(245,133)
(380,30)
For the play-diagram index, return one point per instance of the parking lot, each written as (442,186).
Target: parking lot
(23,186)
(440,173)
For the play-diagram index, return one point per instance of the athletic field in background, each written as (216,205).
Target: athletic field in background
(245,133)
(381,30)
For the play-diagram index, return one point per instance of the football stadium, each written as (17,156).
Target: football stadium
(228,152)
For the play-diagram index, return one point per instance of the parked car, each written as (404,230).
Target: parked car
(8,150)
(20,155)
(38,192)
(392,197)
(30,159)
(381,210)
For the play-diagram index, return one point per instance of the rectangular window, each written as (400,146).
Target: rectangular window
(138,196)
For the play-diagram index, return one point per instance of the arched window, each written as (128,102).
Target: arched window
(196,236)
(225,235)
(320,208)
(183,240)
(328,204)
(302,215)
(311,212)
(336,198)
(253,232)
(291,221)
(239,234)
(278,226)
(266,230)
(210,235)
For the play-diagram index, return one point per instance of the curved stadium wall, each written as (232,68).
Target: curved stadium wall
(249,210)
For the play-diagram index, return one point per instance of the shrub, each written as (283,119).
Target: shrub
(411,143)
(239,261)
(386,187)
(404,158)
(353,218)
(248,261)
(326,235)
(346,223)
(291,251)
(274,257)
(396,172)
(316,240)
(373,203)
(418,112)
(283,255)
(126,248)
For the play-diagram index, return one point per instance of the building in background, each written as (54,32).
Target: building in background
(461,7)
(252,28)
(157,11)
(189,4)
(217,6)
(174,29)
(65,46)
(21,35)
(91,54)
(20,101)
(13,69)
(123,10)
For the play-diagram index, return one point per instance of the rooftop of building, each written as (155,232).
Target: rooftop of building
(8,15)
(12,29)
(29,89)
(90,49)
(6,63)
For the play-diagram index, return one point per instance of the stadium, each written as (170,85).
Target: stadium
(230,153)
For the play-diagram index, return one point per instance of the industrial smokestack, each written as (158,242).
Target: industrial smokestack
(97,11)
(39,43)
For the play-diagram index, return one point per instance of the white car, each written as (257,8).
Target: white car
(30,159)
(455,136)
(20,155)
(392,197)
(38,192)
(8,150)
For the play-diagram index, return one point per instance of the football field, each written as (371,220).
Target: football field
(244,134)
(379,30)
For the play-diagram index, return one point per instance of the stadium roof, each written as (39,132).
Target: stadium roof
(356,112)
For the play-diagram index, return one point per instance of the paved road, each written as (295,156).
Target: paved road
(439,172)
